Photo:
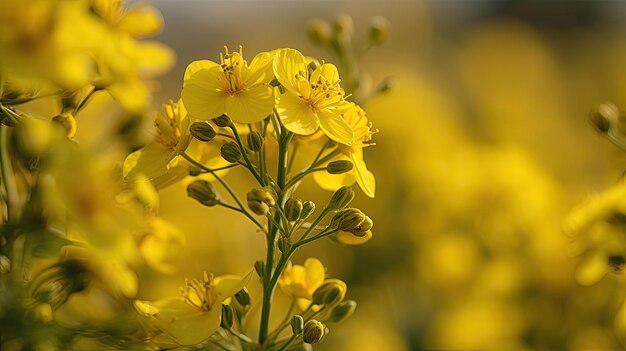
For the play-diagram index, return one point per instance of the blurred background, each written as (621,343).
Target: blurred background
(484,148)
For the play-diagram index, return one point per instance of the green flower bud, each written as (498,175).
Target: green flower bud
(341,198)
(308,208)
(380,28)
(261,199)
(243,297)
(344,25)
(259,268)
(342,311)
(230,152)
(348,219)
(5,264)
(313,332)
(297,324)
(58,282)
(293,209)
(255,141)
(67,121)
(202,131)
(320,31)
(284,244)
(330,293)
(339,166)
(204,192)
(227,316)
(363,228)
(603,116)
(223,121)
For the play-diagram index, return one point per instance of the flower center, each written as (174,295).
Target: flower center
(232,65)
(167,126)
(200,293)
(324,93)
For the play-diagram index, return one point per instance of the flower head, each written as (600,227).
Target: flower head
(311,101)
(197,314)
(300,282)
(232,87)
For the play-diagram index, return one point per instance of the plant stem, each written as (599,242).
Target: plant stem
(7,175)
(244,153)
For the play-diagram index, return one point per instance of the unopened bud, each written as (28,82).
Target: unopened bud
(284,245)
(380,28)
(330,293)
(293,209)
(255,141)
(259,268)
(297,324)
(227,316)
(243,297)
(342,311)
(341,198)
(204,192)
(313,332)
(261,199)
(308,207)
(339,166)
(5,264)
(230,152)
(223,121)
(202,131)
(604,116)
(319,31)
(67,121)
(348,219)
(344,25)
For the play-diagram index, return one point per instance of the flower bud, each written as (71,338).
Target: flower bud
(67,121)
(259,268)
(330,293)
(261,199)
(348,219)
(380,28)
(243,297)
(227,316)
(59,282)
(603,116)
(342,311)
(284,245)
(293,209)
(319,31)
(223,121)
(344,25)
(255,141)
(230,152)
(5,264)
(341,198)
(313,332)
(308,208)
(297,324)
(204,192)
(202,131)
(339,167)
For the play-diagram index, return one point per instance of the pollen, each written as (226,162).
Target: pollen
(201,293)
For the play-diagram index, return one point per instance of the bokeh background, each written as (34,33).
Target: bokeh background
(484,148)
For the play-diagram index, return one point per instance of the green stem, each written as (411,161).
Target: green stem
(244,152)
(293,337)
(8,181)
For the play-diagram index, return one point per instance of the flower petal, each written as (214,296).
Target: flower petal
(141,21)
(202,94)
(296,114)
(335,127)
(251,105)
(365,178)
(315,273)
(328,71)
(350,239)
(332,182)
(228,285)
(260,70)
(195,328)
(151,161)
(287,64)
(196,66)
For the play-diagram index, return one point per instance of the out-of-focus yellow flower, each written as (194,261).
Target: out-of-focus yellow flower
(300,282)
(161,244)
(348,238)
(361,128)
(197,314)
(231,87)
(311,102)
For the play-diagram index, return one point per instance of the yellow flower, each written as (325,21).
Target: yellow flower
(350,239)
(161,244)
(361,127)
(311,102)
(158,157)
(231,87)
(196,315)
(300,282)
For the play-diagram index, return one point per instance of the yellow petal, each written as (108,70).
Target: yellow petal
(202,94)
(350,239)
(287,64)
(228,285)
(335,127)
(315,273)
(150,161)
(132,95)
(186,323)
(251,105)
(328,71)
(260,70)
(592,269)
(365,178)
(141,21)
(296,114)
(152,58)
(195,66)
